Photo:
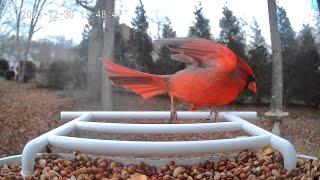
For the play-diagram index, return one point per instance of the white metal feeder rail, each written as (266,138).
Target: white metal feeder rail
(82,121)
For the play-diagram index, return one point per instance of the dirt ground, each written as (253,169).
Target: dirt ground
(27,112)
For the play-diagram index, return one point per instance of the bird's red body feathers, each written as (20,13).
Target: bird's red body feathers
(217,88)
(221,79)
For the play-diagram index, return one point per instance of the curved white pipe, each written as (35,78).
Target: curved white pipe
(285,147)
(56,138)
(126,128)
(125,115)
(156,148)
(36,145)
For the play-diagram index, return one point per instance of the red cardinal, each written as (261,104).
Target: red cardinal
(215,76)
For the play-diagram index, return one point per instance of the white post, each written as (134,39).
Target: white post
(36,145)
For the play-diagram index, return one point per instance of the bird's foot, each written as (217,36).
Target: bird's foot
(173,112)
(173,116)
(216,113)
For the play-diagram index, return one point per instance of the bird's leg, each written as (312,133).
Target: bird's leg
(193,107)
(212,109)
(216,113)
(173,112)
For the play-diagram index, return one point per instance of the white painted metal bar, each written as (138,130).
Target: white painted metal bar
(125,115)
(36,145)
(156,148)
(285,147)
(158,128)
(133,160)
(81,120)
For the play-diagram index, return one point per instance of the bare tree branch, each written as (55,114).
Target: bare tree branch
(5,18)
(141,3)
(38,6)
(84,5)
(38,12)
(37,29)
(3,5)
(18,11)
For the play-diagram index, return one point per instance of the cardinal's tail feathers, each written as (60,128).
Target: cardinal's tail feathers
(147,85)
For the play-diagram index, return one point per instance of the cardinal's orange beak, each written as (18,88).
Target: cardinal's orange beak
(252,86)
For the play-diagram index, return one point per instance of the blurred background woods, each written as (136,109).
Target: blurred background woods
(60,63)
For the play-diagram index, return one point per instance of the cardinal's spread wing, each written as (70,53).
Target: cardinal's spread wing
(186,59)
(201,51)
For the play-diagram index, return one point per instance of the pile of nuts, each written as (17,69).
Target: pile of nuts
(10,172)
(247,165)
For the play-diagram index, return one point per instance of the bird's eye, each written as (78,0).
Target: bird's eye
(250,79)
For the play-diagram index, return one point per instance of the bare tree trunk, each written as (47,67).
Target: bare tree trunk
(25,57)
(277,79)
(276,105)
(318,2)
(37,8)
(18,50)
(106,88)
(95,51)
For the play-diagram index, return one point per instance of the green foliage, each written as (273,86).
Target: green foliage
(201,27)
(9,75)
(259,61)
(140,23)
(58,75)
(121,46)
(301,61)
(231,33)
(289,52)
(257,38)
(86,32)
(140,41)
(167,30)
(287,35)
(4,65)
(84,44)
(30,72)
(164,65)
(64,75)
(307,36)
(305,79)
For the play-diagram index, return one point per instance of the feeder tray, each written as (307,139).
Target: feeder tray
(85,121)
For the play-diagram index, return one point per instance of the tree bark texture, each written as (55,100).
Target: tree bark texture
(277,77)
(106,87)
(94,53)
